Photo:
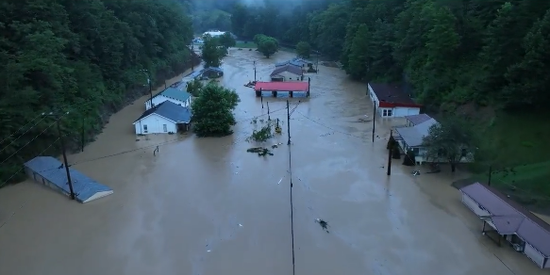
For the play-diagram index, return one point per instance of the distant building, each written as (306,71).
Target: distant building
(49,171)
(287,73)
(174,95)
(298,62)
(164,118)
(391,101)
(213,33)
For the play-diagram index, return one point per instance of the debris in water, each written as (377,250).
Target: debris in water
(261,151)
(323,224)
(416,173)
(240,225)
(208,251)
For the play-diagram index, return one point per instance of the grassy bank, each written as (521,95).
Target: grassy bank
(516,146)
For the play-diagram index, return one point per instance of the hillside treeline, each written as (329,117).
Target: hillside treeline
(84,57)
(452,52)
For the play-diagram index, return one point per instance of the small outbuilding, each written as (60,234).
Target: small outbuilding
(391,101)
(287,73)
(49,171)
(174,95)
(211,73)
(165,118)
(282,89)
(504,219)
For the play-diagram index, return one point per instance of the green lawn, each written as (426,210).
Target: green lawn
(517,146)
(242,44)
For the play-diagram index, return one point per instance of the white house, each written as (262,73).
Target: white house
(173,95)
(287,73)
(516,225)
(166,117)
(391,101)
(213,33)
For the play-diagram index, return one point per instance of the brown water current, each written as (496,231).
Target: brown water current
(207,207)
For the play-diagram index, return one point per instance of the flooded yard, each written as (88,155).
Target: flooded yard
(208,207)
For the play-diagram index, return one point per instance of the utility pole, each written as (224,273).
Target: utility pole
(490,174)
(288,120)
(146,72)
(268,114)
(254,70)
(82,133)
(373,120)
(262,100)
(390,155)
(65,162)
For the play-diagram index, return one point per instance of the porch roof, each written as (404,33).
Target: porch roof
(413,136)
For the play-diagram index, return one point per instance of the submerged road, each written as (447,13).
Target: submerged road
(207,207)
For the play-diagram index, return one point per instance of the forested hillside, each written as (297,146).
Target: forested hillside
(84,57)
(485,59)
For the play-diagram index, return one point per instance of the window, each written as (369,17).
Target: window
(145,129)
(384,112)
(416,151)
(165,128)
(390,112)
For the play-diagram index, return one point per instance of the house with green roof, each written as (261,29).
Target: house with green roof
(176,96)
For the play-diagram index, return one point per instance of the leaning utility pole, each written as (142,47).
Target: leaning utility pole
(57,118)
(146,72)
(288,120)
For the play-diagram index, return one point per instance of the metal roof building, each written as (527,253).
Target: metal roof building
(49,171)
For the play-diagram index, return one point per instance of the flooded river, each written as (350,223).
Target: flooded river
(207,207)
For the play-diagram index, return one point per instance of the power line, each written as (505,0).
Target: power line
(19,171)
(291,187)
(24,126)
(28,143)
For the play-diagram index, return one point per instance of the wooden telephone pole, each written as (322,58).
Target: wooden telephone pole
(57,118)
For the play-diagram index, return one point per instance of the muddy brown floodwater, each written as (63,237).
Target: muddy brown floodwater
(207,207)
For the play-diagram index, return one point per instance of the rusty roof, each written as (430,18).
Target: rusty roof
(510,217)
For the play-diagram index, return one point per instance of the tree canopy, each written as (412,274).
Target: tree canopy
(303,49)
(267,45)
(84,57)
(212,52)
(213,111)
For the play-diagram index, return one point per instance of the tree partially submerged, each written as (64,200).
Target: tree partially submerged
(213,52)
(303,49)
(267,45)
(452,140)
(213,111)
(227,40)
(264,130)
(194,87)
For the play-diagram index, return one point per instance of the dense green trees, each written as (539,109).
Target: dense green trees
(303,49)
(266,45)
(451,52)
(212,52)
(79,56)
(213,111)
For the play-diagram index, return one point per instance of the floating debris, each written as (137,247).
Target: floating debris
(323,224)
(261,151)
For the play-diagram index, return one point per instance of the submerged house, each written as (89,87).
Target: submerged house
(287,73)
(391,101)
(50,172)
(173,95)
(305,65)
(411,138)
(164,118)
(508,221)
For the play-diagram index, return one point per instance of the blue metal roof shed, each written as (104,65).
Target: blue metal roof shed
(46,168)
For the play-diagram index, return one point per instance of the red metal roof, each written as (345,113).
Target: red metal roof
(392,95)
(282,86)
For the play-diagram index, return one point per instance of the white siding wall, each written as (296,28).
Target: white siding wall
(534,255)
(160,99)
(288,76)
(155,125)
(474,206)
(373,96)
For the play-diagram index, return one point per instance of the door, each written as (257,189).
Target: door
(165,128)
(145,131)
